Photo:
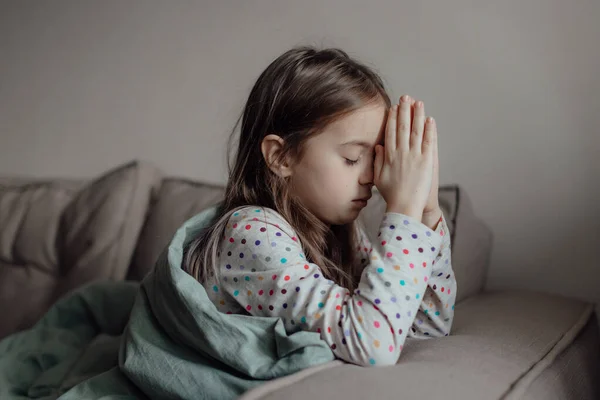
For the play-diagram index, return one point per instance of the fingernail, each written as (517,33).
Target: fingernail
(406,98)
(419,104)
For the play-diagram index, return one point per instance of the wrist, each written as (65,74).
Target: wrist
(432,218)
(411,212)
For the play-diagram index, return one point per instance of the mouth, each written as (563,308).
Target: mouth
(362,202)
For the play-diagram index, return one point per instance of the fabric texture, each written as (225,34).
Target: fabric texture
(471,239)
(407,287)
(58,235)
(575,373)
(175,343)
(76,339)
(499,339)
(177,201)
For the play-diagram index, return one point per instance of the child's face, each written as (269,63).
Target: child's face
(337,166)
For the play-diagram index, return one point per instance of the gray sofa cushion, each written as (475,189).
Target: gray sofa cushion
(501,342)
(177,201)
(57,235)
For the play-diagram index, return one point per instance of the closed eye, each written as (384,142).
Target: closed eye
(350,162)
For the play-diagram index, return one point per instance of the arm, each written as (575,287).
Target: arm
(436,311)
(368,327)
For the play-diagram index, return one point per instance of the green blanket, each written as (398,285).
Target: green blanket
(163,339)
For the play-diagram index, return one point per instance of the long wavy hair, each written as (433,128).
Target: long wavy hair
(295,97)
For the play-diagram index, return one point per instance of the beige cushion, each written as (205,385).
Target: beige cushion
(500,344)
(177,201)
(575,373)
(57,235)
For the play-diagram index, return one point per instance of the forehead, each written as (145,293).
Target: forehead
(363,127)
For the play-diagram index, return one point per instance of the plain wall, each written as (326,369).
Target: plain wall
(513,85)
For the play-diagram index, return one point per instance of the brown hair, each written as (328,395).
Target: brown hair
(296,97)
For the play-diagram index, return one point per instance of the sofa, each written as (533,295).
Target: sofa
(57,235)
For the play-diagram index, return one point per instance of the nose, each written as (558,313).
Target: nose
(367,175)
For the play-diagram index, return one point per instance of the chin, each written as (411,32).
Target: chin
(341,217)
(345,219)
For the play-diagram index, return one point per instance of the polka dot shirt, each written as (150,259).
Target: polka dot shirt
(407,287)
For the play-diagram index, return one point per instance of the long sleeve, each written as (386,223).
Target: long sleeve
(436,312)
(264,270)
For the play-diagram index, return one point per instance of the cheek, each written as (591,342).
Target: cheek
(326,174)
(336,177)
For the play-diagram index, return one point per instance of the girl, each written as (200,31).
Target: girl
(318,131)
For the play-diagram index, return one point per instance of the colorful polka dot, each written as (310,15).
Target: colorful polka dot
(385,303)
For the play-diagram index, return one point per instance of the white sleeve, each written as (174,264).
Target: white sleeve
(436,313)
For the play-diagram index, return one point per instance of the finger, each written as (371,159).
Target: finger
(404,123)
(435,145)
(412,112)
(390,132)
(378,164)
(418,125)
(430,138)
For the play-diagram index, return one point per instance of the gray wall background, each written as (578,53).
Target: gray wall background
(87,85)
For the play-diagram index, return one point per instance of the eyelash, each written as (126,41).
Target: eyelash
(351,162)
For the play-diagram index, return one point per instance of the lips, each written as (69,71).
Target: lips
(361,202)
(363,199)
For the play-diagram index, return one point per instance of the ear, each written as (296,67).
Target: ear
(271,147)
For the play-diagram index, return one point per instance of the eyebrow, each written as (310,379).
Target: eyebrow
(357,143)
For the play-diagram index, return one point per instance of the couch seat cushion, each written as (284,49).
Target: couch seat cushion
(500,342)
